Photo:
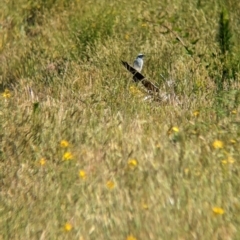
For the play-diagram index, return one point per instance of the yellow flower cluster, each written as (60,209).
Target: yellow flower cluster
(135,91)
(42,161)
(132,163)
(82,174)
(67,156)
(64,144)
(218,211)
(173,130)
(228,160)
(217,144)
(110,185)
(6,94)
(68,227)
(196,113)
(131,237)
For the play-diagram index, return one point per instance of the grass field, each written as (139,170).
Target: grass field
(84,155)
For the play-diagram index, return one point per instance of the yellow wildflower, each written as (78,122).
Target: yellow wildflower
(224,162)
(217,144)
(67,156)
(144,25)
(131,237)
(196,113)
(135,91)
(6,94)
(126,36)
(64,143)
(82,174)
(144,206)
(218,210)
(42,161)
(175,129)
(68,227)
(110,184)
(234,111)
(132,163)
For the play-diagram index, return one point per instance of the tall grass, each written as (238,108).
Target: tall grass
(85,154)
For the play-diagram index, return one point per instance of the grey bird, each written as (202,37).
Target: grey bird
(138,62)
(137,76)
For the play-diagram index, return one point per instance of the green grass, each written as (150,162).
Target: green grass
(61,79)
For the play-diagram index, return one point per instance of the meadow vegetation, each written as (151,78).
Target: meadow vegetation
(84,155)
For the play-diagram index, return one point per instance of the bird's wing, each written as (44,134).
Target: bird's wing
(138,77)
(149,86)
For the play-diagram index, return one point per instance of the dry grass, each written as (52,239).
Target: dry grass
(129,168)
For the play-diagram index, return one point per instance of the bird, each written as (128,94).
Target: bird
(138,62)
(138,65)
(151,88)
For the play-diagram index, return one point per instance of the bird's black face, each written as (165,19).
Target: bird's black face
(141,55)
